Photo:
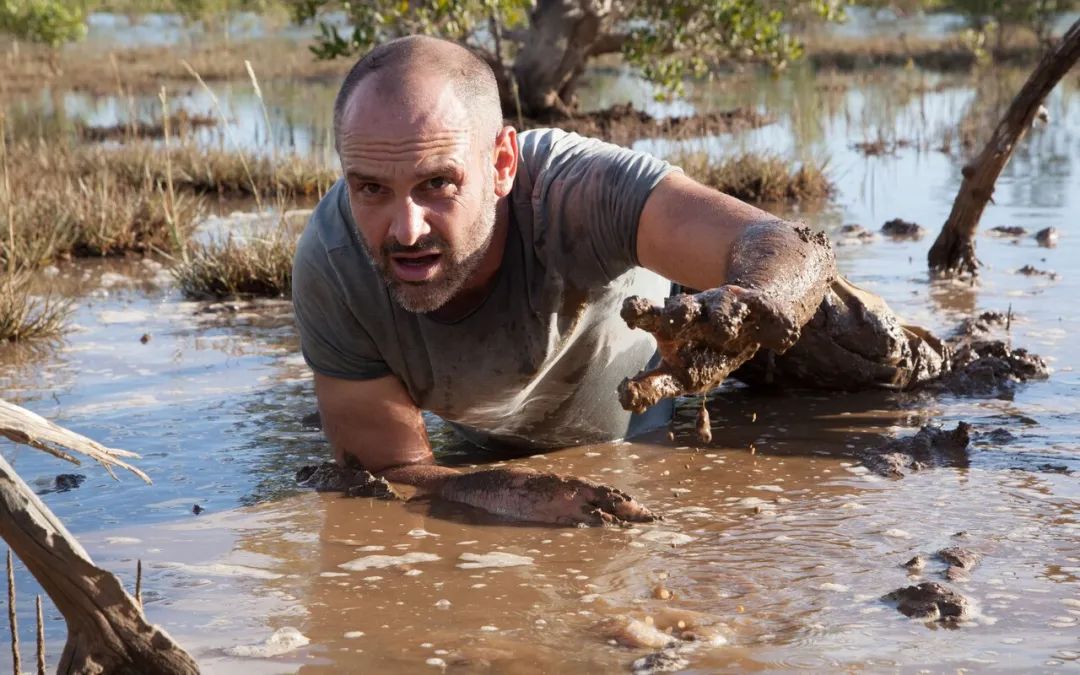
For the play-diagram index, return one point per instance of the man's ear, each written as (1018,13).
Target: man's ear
(506,160)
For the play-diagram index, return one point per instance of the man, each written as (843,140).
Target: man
(476,273)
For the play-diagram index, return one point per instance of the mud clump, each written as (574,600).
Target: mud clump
(1008,231)
(959,557)
(1047,237)
(625,123)
(1032,271)
(352,481)
(930,447)
(990,368)
(898,228)
(986,366)
(960,561)
(663,661)
(930,601)
(856,233)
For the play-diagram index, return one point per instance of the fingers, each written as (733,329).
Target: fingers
(669,322)
(641,391)
(615,507)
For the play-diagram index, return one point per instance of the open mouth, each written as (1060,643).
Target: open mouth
(415,267)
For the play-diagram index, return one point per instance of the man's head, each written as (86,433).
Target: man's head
(419,132)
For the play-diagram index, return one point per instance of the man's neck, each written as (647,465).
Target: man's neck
(473,293)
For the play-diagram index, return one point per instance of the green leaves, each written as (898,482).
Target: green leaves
(50,22)
(380,20)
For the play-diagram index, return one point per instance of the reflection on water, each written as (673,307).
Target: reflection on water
(784,551)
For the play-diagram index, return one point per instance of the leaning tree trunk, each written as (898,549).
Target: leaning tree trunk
(107,632)
(562,36)
(954,249)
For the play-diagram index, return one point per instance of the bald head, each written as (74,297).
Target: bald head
(397,72)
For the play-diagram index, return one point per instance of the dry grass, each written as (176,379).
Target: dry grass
(144,69)
(65,201)
(26,316)
(232,267)
(84,200)
(221,172)
(948,54)
(759,178)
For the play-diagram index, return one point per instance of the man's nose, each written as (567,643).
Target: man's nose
(409,224)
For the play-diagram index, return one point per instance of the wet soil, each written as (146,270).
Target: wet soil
(899,228)
(930,447)
(352,481)
(623,123)
(930,601)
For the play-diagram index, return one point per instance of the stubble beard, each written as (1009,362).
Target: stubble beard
(456,267)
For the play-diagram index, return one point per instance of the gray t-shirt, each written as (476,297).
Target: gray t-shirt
(538,363)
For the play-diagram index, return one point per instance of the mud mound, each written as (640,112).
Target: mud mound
(354,482)
(624,123)
(930,601)
(930,447)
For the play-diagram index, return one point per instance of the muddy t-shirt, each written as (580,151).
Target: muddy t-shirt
(537,364)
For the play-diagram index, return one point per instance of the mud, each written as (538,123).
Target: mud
(931,602)
(853,342)
(1047,237)
(930,447)
(180,124)
(987,367)
(526,495)
(704,425)
(1008,231)
(352,481)
(664,661)
(703,338)
(624,123)
(1032,271)
(960,561)
(898,228)
(856,232)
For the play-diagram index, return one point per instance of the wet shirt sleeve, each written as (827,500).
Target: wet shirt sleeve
(332,340)
(588,197)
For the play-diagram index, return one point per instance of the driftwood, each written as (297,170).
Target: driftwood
(107,632)
(954,249)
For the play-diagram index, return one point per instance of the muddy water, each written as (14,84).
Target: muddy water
(778,557)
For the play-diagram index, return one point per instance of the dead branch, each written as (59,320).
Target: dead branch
(23,426)
(107,632)
(954,249)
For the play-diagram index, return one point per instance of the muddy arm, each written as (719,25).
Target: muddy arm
(775,276)
(376,424)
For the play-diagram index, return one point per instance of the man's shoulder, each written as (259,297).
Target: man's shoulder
(329,225)
(329,248)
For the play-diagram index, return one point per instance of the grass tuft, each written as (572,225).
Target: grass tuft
(238,267)
(25,316)
(759,178)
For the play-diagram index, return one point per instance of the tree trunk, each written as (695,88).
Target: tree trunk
(561,37)
(107,632)
(954,249)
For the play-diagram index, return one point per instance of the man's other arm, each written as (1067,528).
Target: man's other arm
(378,424)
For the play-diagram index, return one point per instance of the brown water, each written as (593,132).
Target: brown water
(780,555)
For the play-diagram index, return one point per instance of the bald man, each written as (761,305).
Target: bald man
(476,273)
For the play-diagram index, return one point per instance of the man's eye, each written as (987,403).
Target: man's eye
(369,189)
(438,183)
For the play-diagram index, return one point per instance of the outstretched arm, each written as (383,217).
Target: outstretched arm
(765,279)
(377,423)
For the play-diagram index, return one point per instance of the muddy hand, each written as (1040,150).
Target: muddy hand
(701,339)
(524,494)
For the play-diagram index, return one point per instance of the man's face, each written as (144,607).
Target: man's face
(421,191)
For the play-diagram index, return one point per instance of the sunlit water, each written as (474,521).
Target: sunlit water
(784,552)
